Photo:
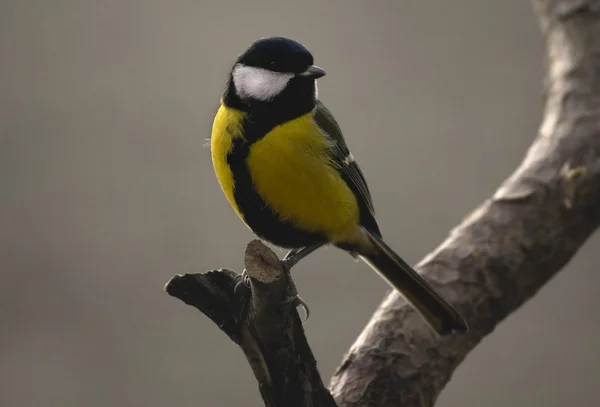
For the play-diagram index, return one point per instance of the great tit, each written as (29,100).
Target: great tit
(283,164)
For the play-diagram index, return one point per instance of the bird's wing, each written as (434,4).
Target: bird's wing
(347,166)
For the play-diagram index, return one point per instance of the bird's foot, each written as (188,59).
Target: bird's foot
(243,285)
(287,263)
(297,301)
(293,296)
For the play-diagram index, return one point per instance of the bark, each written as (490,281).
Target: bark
(490,264)
(510,246)
(268,330)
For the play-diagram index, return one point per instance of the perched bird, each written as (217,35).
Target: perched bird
(282,162)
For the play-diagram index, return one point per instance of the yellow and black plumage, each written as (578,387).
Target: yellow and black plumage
(282,162)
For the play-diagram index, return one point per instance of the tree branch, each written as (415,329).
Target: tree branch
(269,332)
(497,259)
(510,246)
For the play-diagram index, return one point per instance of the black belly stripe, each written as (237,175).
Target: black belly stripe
(258,216)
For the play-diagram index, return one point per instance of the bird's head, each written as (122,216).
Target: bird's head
(274,71)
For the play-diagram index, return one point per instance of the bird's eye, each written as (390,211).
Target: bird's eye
(271,62)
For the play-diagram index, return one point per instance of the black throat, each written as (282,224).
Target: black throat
(261,117)
(297,99)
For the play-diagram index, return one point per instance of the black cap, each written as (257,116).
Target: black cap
(277,54)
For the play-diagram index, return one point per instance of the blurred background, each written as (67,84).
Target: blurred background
(107,190)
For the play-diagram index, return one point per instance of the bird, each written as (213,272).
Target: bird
(283,164)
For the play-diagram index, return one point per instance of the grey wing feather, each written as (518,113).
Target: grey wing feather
(349,169)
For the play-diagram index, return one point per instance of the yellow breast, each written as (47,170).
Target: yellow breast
(226,127)
(292,172)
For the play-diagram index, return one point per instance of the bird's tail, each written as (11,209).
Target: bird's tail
(414,288)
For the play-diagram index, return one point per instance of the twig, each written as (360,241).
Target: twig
(269,332)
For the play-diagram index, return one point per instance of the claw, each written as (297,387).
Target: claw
(293,296)
(239,289)
(299,302)
(244,277)
(243,284)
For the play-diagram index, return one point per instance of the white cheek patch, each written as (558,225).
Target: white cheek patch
(258,83)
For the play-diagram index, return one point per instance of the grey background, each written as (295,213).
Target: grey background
(107,191)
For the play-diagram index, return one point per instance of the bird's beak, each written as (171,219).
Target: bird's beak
(313,71)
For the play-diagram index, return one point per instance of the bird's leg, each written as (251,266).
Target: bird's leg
(290,260)
(295,255)
(242,285)
(245,280)
(289,254)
